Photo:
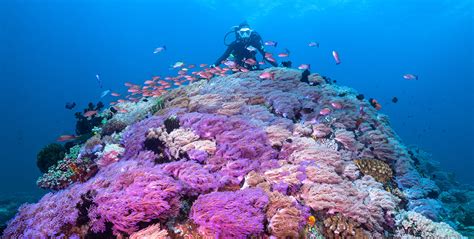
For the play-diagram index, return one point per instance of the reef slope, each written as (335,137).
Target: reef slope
(240,156)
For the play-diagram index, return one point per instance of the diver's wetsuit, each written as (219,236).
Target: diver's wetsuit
(239,50)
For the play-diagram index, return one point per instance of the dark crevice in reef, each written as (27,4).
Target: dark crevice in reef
(107,234)
(171,123)
(158,147)
(83,208)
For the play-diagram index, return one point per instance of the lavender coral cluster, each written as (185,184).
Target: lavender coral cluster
(239,157)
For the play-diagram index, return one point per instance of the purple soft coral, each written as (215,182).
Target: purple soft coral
(230,214)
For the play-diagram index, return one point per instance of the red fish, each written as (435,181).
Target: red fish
(325,111)
(250,61)
(90,113)
(336,57)
(336,105)
(67,137)
(267,75)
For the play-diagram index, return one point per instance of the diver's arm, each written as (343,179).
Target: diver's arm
(225,55)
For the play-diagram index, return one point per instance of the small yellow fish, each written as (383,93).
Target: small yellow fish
(311,220)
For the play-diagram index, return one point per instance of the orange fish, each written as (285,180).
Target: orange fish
(311,220)
(283,55)
(202,65)
(375,104)
(67,137)
(149,82)
(90,113)
(115,94)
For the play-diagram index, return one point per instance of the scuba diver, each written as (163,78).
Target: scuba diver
(244,48)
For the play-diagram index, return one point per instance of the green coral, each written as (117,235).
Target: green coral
(49,156)
(96,130)
(74,152)
(159,104)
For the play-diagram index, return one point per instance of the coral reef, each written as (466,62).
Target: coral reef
(238,156)
(337,226)
(230,214)
(414,225)
(49,156)
(378,169)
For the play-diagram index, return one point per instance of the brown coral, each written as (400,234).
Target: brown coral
(285,223)
(378,169)
(321,131)
(285,219)
(153,231)
(338,226)
(277,134)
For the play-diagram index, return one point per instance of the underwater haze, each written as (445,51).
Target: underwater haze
(51,51)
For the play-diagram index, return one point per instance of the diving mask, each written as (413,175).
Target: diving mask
(244,32)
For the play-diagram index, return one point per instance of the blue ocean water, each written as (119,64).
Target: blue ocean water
(51,50)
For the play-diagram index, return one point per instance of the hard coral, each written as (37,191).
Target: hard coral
(415,225)
(339,227)
(378,169)
(66,172)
